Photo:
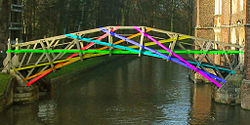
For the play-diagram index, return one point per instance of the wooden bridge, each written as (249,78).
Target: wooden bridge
(34,59)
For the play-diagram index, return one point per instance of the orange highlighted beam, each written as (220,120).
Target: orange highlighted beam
(75,54)
(86,56)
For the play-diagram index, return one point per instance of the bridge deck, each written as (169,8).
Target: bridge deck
(47,62)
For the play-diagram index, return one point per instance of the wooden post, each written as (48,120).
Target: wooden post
(245,86)
(47,55)
(29,58)
(110,39)
(79,48)
(172,44)
(50,47)
(23,58)
(17,48)
(81,43)
(8,61)
(241,57)
(15,59)
(141,41)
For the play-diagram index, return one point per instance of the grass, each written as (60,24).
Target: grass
(4,78)
(80,65)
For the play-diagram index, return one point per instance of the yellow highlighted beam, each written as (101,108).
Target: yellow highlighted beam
(71,60)
(74,59)
(163,41)
(63,64)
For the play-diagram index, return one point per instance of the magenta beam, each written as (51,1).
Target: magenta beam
(177,56)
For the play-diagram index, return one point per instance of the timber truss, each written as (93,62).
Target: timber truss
(28,66)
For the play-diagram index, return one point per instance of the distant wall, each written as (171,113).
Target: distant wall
(247,53)
(205,13)
(247,45)
(204,19)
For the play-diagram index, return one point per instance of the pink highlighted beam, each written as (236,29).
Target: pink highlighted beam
(71,56)
(92,43)
(177,56)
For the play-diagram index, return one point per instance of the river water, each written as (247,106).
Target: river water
(127,91)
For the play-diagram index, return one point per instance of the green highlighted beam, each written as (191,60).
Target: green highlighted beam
(119,51)
(116,52)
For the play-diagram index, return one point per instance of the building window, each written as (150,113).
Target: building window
(234,6)
(218,7)
(241,5)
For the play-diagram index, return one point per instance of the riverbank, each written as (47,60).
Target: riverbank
(230,93)
(4,78)
(7,93)
(6,90)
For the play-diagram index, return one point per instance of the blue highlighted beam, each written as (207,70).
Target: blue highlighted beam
(162,55)
(138,51)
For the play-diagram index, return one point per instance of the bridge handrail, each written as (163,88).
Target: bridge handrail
(124,27)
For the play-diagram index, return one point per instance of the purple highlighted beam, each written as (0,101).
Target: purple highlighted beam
(137,51)
(177,56)
(158,53)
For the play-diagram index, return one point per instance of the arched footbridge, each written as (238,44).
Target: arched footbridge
(214,60)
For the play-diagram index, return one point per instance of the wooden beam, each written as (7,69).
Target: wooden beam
(227,59)
(190,56)
(31,55)
(196,38)
(110,39)
(209,44)
(79,48)
(39,59)
(47,54)
(141,41)
(172,44)
(24,56)
(56,37)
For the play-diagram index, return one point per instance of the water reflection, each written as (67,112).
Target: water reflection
(137,92)
(47,111)
(229,115)
(128,91)
(201,104)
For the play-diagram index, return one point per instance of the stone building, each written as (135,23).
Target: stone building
(227,21)
(223,20)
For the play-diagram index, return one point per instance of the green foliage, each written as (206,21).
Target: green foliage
(44,18)
(4,78)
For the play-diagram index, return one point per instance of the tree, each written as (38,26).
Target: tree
(4,23)
(43,18)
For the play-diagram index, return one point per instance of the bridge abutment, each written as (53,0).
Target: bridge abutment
(22,93)
(245,94)
(245,87)
(25,94)
(229,93)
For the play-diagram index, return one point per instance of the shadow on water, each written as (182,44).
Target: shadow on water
(127,91)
